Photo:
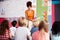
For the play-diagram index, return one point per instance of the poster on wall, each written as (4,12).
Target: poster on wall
(42,8)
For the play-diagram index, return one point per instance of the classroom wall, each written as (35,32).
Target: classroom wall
(14,8)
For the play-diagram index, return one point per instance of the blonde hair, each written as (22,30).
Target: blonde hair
(22,21)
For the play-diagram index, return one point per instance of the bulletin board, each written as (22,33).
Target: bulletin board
(42,9)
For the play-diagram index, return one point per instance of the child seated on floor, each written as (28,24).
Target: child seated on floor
(13,28)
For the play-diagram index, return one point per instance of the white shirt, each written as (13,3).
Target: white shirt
(21,33)
(13,30)
(55,37)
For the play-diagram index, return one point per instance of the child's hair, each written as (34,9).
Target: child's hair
(4,25)
(14,23)
(55,28)
(41,25)
(21,21)
(29,4)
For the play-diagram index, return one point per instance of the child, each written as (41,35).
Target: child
(22,32)
(42,33)
(35,27)
(4,30)
(13,29)
(29,13)
(55,31)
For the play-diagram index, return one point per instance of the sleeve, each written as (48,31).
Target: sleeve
(11,31)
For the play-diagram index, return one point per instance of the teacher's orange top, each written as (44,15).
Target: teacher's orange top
(29,14)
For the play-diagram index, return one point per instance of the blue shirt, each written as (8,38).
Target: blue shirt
(34,29)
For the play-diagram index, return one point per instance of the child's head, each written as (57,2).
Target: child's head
(29,4)
(43,25)
(56,28)
(22,21)
(35,23)
(4,25)
(14,23)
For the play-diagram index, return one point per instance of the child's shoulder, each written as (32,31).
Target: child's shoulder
(26,10)
(33,10)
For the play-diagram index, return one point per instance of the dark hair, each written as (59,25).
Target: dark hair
(29,3)
(4,26)
(56,27)
(14,23)
(20,21)
(41,25)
